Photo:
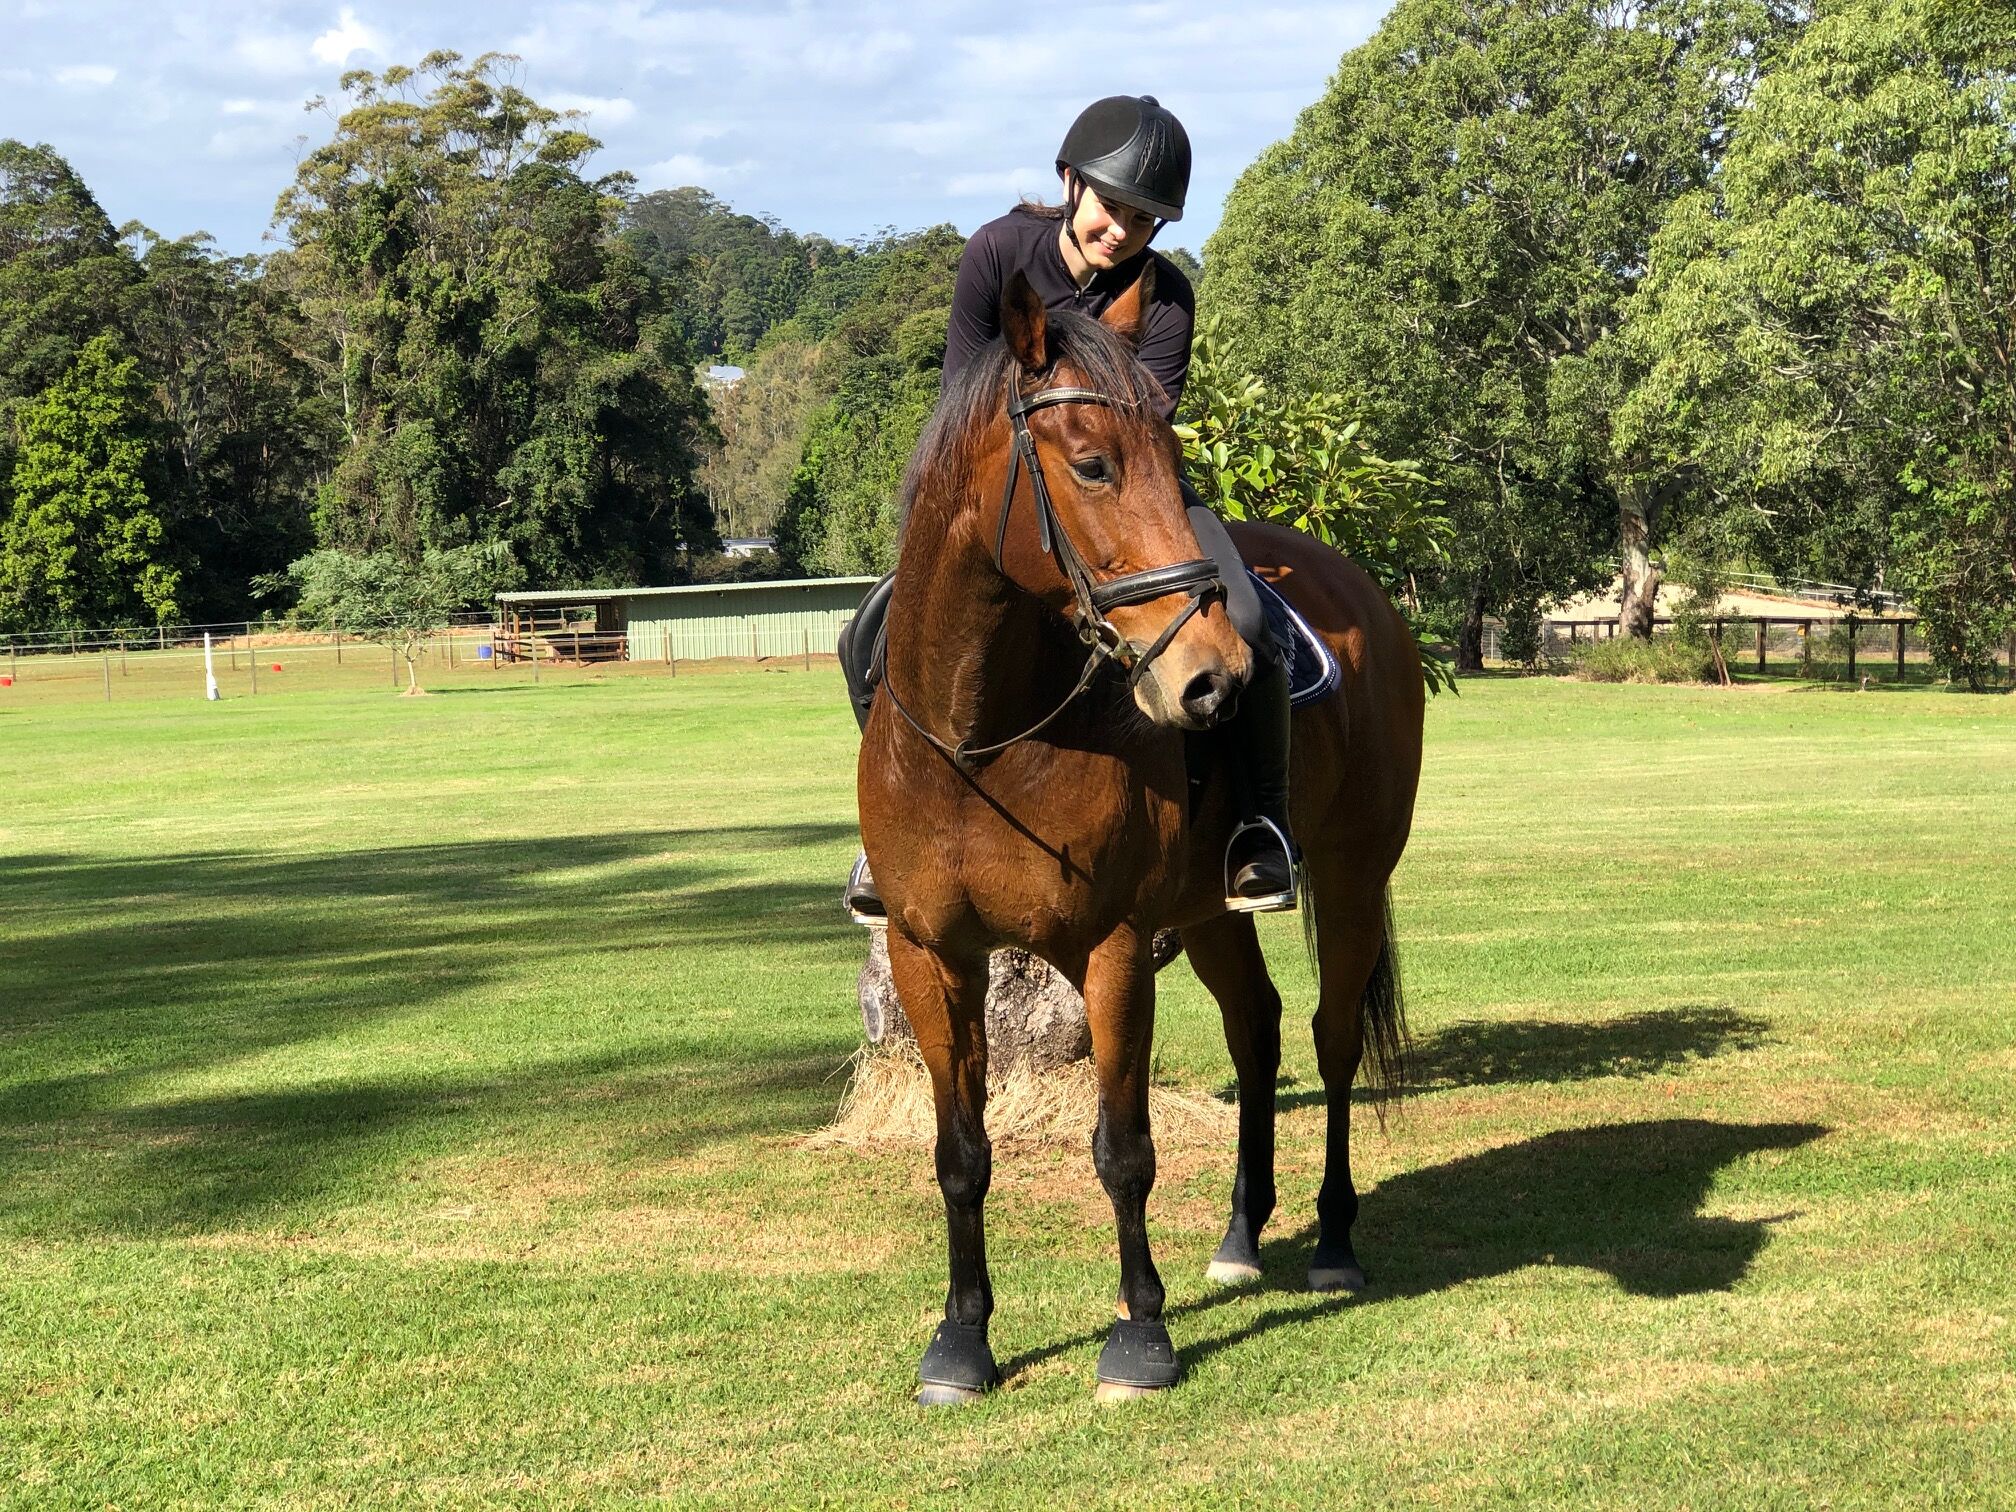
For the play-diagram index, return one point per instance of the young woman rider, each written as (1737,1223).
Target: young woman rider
(1125,166)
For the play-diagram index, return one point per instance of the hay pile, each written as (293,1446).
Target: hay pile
(888,1101)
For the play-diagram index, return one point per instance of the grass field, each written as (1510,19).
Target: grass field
(401,1103)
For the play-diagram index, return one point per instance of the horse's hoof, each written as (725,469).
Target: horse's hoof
(958,1367)
(1106,1393)
(1139,1359)
(932,1394)
(1336,1278)
(1231,1272)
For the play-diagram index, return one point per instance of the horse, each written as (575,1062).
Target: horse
(1024,781)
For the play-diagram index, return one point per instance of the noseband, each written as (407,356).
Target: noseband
(1092,598)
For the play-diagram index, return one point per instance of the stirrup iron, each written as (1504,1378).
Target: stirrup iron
(1274,902)
(860,893)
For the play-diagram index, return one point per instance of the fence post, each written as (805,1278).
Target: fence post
(1900,650)
(106,658)
(394,649)
(808,650)
(1761,630)
(752,641)
(1805,648)
(253,662)
(336,635)
(1851,648)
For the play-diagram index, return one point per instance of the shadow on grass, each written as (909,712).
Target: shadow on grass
(1621,1198)
(122,972)
(1488,1053)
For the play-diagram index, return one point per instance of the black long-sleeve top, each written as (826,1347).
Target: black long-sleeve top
(1029,242)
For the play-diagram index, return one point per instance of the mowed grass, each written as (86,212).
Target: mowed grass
(401,1103)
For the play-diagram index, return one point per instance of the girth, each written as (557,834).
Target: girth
(1092,598)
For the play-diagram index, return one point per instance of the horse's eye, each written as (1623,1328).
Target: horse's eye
(1091,469)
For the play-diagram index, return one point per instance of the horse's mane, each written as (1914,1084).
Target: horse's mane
(946,452)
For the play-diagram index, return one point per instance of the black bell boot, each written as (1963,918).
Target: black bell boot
(1260,862)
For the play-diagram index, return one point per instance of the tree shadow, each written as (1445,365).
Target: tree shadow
(124,971)
(1621,1198)
(1485,1052)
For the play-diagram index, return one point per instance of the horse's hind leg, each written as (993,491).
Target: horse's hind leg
(945,1001)
(1225,953)
(1351,945)
(1120,1007)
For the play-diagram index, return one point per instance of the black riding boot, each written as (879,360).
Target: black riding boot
(1260,862)
(860,659)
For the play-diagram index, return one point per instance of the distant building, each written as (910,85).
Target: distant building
(695,621)
(747,545)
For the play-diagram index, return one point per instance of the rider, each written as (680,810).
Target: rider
(1125,166)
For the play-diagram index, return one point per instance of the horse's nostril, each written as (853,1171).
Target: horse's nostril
(1206,694)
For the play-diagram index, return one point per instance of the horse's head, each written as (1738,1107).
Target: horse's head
(1109,466)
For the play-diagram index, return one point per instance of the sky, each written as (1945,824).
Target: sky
(840,118)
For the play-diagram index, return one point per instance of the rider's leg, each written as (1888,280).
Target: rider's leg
(1259,863)
(858,642)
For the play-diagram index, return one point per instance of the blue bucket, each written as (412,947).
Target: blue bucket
(483,653)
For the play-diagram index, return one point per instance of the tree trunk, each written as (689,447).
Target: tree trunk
(1470,639)
(1034,1017)
(1637,513)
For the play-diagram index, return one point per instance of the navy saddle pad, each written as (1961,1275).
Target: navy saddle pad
(1313,672)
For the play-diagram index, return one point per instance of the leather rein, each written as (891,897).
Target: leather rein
(1093,598)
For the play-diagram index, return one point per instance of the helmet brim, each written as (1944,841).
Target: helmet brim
(1133,199)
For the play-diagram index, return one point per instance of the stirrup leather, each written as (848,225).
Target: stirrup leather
(1276,902)
(859,892)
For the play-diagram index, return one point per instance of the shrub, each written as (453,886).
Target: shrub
(1663,659)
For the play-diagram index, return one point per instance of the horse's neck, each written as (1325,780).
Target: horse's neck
(965,647)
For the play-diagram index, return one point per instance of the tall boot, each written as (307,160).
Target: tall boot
(1260,861)
(860,647)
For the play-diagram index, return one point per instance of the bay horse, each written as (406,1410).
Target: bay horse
(1016,789)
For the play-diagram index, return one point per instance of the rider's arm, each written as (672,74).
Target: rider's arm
(976,303)
(1165,342)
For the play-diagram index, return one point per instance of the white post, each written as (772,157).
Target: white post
(209,671)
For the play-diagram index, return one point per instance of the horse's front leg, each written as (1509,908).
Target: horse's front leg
(1120,1005)
(945,1000)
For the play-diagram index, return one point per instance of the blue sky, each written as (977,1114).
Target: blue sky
(839,118)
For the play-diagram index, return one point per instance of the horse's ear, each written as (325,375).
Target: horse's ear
(1024,324)
(1126,315)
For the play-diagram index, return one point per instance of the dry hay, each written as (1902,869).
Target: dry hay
(888,1101)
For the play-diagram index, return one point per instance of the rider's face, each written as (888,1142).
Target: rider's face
(1110,234)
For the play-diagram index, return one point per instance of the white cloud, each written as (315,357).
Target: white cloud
(271,55)
(347,36)
(689,168)
(239,107)
(602,112)
(86,75)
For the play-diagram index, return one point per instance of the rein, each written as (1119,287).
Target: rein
(1092,598)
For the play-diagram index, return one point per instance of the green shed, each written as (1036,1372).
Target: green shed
(692,623)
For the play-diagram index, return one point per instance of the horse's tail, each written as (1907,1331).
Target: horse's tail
(1388,1046)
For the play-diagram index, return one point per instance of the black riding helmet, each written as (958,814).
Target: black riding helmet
(1131,150)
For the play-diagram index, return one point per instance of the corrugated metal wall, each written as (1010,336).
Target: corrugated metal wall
(787,620)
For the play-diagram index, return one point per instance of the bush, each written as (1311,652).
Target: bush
(1663,659)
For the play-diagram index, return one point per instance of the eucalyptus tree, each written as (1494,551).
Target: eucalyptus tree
(503,365)
(1451,237)
(1832,330)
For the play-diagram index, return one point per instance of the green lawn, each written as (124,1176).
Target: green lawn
(401,1104)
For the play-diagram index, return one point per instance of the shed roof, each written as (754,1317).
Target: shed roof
(603,595)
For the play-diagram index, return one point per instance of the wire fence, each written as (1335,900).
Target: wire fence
(263,661)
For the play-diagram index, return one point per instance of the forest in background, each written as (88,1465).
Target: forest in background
(1534,294)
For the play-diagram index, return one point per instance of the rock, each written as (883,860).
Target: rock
(1034,1017)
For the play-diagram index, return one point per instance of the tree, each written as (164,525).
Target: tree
(880,319)
(762,421)
(1831,332)
(504,366)
(392,600)
(1450,237)
(738,276)
(81,543)
(1295,460)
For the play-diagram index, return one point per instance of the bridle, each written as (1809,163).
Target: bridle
(1092,598)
